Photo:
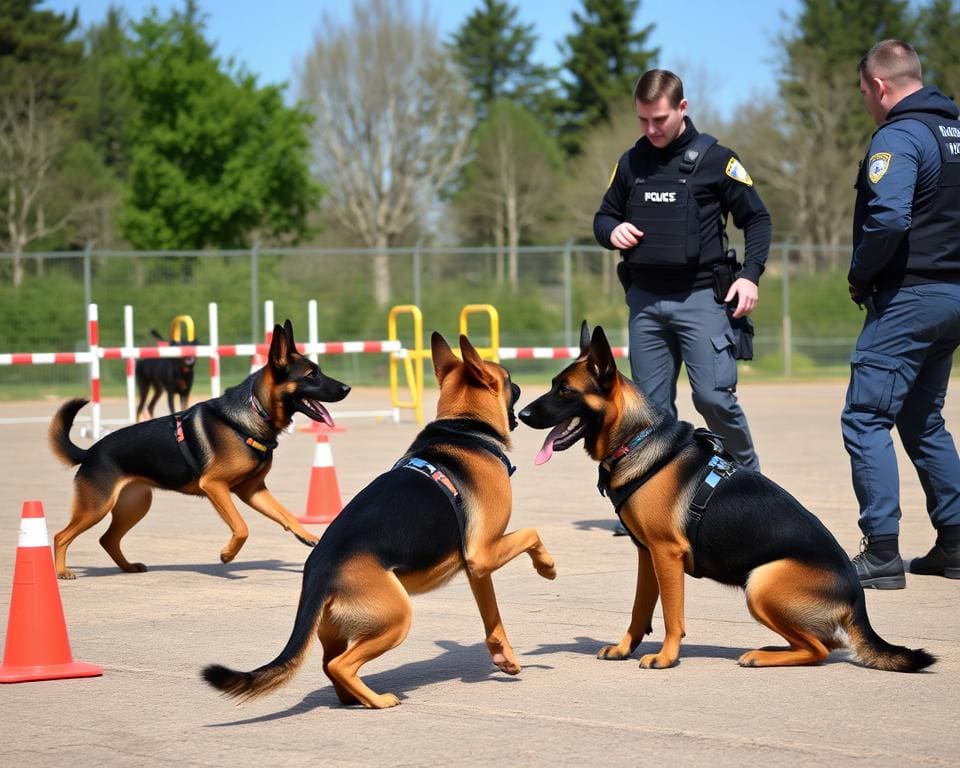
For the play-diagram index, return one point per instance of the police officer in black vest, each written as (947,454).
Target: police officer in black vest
(906,271)
(666,209)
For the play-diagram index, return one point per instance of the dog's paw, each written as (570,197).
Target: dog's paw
(311,542)
(135,568)
(546,568)
(226,556)
(383,701)
(656,661)
(613,653)
(752,658)
(66,574)
(506,664)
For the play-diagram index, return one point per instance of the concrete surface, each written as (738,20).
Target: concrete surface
(153,632)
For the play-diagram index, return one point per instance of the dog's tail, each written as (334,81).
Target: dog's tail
(59,433)
(873,651)
(269,677)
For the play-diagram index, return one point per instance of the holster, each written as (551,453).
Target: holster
(724,275)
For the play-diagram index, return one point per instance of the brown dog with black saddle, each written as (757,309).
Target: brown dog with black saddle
(691,510)
(215,448)
(442,508)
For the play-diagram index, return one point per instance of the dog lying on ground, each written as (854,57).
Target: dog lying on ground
(171,375)
(443,508)
(215,448)
(691,510)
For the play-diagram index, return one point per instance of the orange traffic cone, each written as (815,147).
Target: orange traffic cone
(319,426)
(37,646)
(323,498)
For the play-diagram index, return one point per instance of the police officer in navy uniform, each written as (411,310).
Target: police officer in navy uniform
(906,271)
(665,210)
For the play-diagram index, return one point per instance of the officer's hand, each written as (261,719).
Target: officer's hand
(857,293)
(746,294)
(625,235)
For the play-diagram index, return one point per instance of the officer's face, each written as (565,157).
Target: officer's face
(870,89)
(660,122)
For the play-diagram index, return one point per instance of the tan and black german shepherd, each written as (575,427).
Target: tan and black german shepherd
(443,508)
(215,448)
(691,511)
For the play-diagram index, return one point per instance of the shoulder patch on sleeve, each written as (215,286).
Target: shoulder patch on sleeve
(878,165)
(737,172)
(613,174)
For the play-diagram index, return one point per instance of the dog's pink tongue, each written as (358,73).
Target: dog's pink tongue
(547,450)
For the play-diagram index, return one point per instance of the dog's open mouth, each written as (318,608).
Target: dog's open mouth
(560,438)
(316,411)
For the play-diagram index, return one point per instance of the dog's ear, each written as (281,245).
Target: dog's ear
(288,332)
(280,346)
(444,360)
(584,337)
(600,360)
(473,364)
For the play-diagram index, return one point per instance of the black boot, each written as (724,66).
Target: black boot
(943,559)
(879,565)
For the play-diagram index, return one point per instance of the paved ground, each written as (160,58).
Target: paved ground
(152,632)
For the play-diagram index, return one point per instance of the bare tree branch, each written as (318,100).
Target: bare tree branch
(392,121)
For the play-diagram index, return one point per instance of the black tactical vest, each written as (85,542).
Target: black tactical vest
(931,248)
(662,205)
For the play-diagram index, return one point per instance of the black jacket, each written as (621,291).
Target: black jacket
(717,194)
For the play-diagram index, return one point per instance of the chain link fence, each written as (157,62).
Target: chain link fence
(805,322)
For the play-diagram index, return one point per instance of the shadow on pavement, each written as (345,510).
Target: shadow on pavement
(466,663)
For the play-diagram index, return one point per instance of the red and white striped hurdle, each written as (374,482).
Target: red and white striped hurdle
(213,351)
(549,353)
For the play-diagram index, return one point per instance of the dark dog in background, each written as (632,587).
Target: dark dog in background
(173,375)
(690,510)
(215,448)
(443,508)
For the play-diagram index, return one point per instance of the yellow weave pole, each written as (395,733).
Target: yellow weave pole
(412,360)
(492,352)
(186,322)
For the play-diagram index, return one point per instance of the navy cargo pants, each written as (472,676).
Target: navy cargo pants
(693,329)
(898,376)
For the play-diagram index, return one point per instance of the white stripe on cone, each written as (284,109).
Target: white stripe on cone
(322,455)
(33,532)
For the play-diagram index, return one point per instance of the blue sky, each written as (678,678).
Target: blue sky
(730,48)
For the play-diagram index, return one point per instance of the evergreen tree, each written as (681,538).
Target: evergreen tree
(604,56)
(37,50)
(495,52)
(938,43)
(215,160)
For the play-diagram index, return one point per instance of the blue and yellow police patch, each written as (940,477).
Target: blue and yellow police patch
(737,172)
(878,166)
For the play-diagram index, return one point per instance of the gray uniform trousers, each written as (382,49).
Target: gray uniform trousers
(693,329)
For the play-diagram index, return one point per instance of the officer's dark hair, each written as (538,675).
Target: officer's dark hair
(892,60)
(656,83)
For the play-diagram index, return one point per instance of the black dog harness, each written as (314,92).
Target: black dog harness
(719,467)
(263,450)
(449,488)
(461,433)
